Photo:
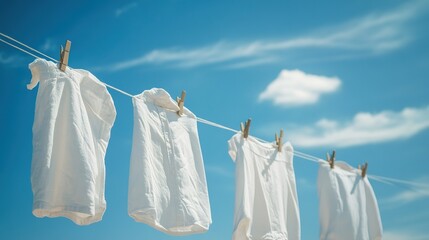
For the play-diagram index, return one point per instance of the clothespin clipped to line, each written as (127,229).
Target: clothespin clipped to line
(363,169)
(181,103)
(331,159)
(245,128)
(64,56)
(279,141)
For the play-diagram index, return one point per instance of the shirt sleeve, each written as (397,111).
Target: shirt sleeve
(99,100)
(35,73)
(232,148)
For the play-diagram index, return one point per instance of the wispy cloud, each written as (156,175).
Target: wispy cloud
(124,9)
(6,59)
(253,62)
(223,172)
(186,58)
(10,60)
(364,128)
(296,88)
(48,45)
(376,33)
(404,234)
(306,184)
(410,195)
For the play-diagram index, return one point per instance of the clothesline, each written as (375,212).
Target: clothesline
(299,154)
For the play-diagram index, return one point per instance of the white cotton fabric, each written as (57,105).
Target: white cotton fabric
(348,207)
(167,182)
(266,201)
(73,117)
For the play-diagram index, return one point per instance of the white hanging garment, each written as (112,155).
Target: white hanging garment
(348,207)
(167,182)
(266,201)
(71,130)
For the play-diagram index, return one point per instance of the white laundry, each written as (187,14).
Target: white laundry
(167,183)
(266,202)
(348,207)
(73,117)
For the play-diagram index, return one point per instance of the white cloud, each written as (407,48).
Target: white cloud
(219,52)
(409,196)
(304,183)
(401,235)
(124,9)
(48,45)
(6,59)
(219,171)
(11,60)
(253,62)
(418,191)
(294,88)
(376,33)
(364,128)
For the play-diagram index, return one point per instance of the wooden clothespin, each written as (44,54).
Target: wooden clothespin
(331,159)
(181,103)
(64,56)
(245,128)
(363,169)
(279,141)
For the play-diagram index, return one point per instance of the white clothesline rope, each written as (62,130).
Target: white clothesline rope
(10,44)
(117,89)
(302,155)
(22,44)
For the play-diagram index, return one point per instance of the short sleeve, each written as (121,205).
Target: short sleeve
(232,148)
(35,74)
(98,98)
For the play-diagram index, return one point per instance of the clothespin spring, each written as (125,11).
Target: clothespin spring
(363,169)
(64,56)
(279,140)
(245,128)
(181,103)
(331,159)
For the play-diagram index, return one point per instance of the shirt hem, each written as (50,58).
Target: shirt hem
(194,228)
(80,215)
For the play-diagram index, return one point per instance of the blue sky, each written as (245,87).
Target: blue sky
(346,75)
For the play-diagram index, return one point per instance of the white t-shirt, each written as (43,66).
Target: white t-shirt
(348,207)
(266,202)
(167,182)
(71,130)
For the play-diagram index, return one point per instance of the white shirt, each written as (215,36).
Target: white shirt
(266,202)
(71,130)
(167,183)
(348,207)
